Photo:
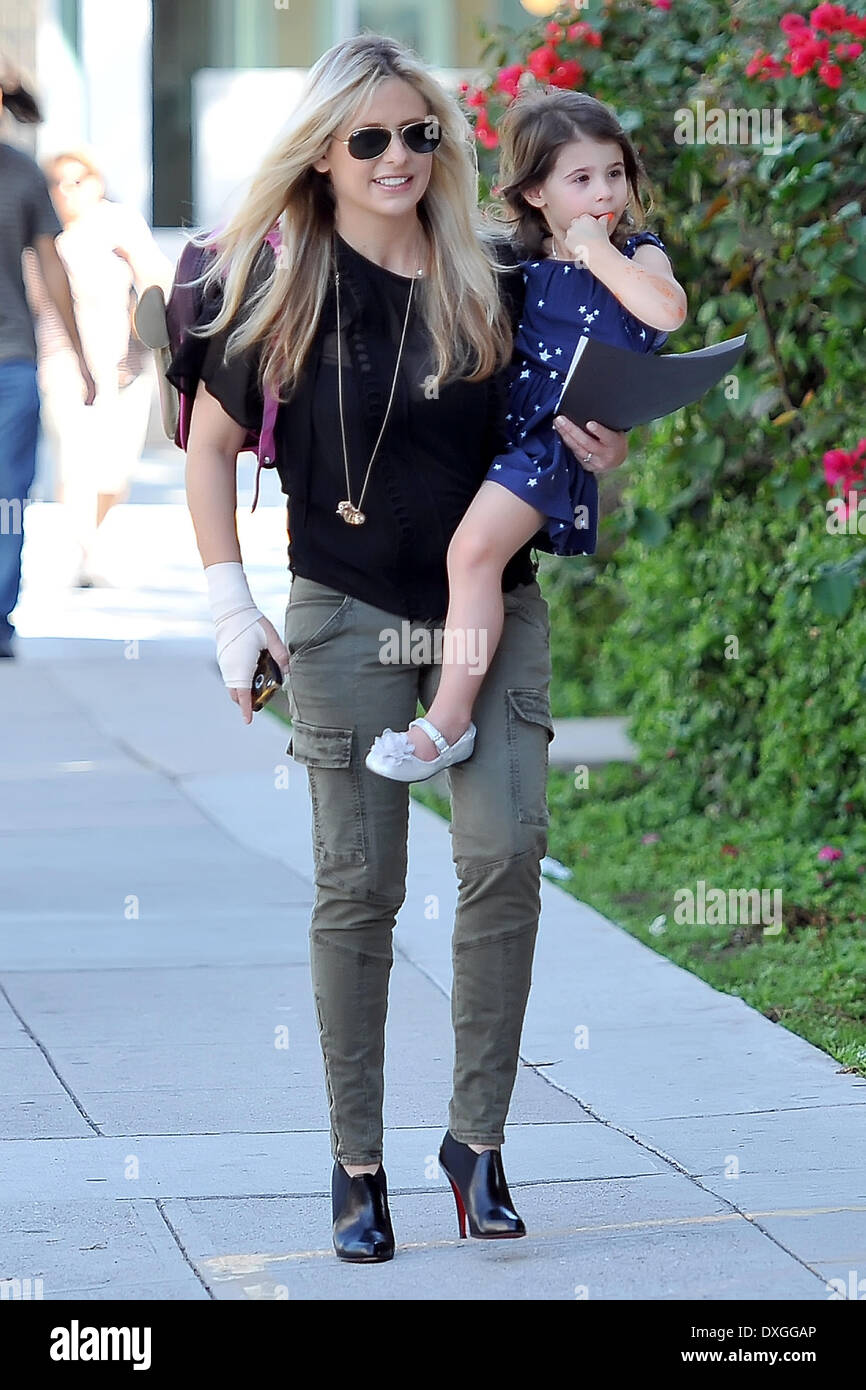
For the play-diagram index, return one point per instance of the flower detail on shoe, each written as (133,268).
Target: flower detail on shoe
(397,747)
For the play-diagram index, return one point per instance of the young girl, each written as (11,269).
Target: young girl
(571,176)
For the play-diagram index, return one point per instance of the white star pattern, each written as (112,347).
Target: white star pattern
(541,303)
(567,270)
(524,375)
(545,355)
(497,466)
(538,407)
(559,352)
(642,333)
(523,434)
(553,375)
(532,482)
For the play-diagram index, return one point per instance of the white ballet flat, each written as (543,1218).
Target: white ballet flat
(392,754)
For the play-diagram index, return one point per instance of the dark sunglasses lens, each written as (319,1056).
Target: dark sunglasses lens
(422,136)
(367,144)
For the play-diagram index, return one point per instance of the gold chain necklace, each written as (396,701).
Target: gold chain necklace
(347,509)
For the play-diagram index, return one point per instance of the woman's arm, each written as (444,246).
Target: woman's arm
(644,285)
(215,440)
(56,283)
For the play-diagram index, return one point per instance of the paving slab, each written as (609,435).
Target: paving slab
(664,1141)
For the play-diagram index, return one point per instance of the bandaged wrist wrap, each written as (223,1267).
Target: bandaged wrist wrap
(240,635)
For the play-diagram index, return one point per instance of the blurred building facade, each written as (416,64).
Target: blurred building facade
(178,98)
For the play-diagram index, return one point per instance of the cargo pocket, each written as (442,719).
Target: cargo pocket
(310,622)
(530,729)
(335,791)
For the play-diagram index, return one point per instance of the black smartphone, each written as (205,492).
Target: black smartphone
(267,679)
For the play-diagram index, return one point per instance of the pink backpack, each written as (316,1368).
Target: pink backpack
(184,306)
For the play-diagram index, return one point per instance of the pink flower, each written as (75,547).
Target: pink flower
(791,22)
(585,32)
(485,133)
(830,18)
(829,852)
(508,78)
(649,839)
(478,99)
(567,74)
(661,4)
(831,75)
(837,466)
(542,61)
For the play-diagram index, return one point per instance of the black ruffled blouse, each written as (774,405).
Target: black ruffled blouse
(433,456)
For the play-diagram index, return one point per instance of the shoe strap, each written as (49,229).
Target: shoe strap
(432,733)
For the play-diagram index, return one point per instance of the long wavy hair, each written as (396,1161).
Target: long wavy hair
(532,132)
(460,299)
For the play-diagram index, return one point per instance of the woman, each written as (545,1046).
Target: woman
(394,375)
(110,255)
(27,219)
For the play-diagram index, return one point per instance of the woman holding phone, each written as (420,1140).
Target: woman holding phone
(387,321)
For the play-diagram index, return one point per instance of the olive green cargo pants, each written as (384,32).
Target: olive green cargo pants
(346,683)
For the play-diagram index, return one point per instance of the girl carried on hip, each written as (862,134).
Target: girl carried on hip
(572,179)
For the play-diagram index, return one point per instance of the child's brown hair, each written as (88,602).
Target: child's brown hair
(532,132)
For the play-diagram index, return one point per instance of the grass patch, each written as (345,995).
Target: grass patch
(810,976)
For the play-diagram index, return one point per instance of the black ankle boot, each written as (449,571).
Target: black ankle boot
(362,1221)
(480,1190)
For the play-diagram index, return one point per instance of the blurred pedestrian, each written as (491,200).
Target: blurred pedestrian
(110,256)
(27,218)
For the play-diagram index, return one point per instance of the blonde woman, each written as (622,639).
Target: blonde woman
(384,321)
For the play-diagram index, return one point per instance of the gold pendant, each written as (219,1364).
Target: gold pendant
(351,514)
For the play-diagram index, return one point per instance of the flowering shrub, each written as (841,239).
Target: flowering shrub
(718,525)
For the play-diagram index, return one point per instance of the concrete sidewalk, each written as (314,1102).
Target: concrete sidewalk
(162,1103)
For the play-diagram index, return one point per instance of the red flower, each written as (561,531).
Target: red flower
(568,74)
(478,99)
(831,18)
(508,78)
(485,133)
(730,850)
(662,4)
(553,31)
(585,32)
(830,74)
(542,61)
(837,466)
(790,22)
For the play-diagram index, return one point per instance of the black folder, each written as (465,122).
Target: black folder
(619,388)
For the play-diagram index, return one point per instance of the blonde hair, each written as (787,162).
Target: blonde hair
(459,300)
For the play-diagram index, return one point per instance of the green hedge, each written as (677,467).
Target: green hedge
(720,613)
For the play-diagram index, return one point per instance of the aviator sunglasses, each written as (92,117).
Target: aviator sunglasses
(369,141)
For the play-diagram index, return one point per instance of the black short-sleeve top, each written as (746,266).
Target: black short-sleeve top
(433,455)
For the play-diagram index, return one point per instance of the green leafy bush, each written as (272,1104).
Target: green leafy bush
(721,613)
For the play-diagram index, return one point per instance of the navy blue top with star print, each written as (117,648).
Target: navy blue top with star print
(563,303)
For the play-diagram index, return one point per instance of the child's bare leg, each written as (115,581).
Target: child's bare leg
(494,528)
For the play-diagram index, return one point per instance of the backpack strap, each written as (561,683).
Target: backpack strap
(267,448)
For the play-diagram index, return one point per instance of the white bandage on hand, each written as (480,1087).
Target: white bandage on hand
(240,635)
